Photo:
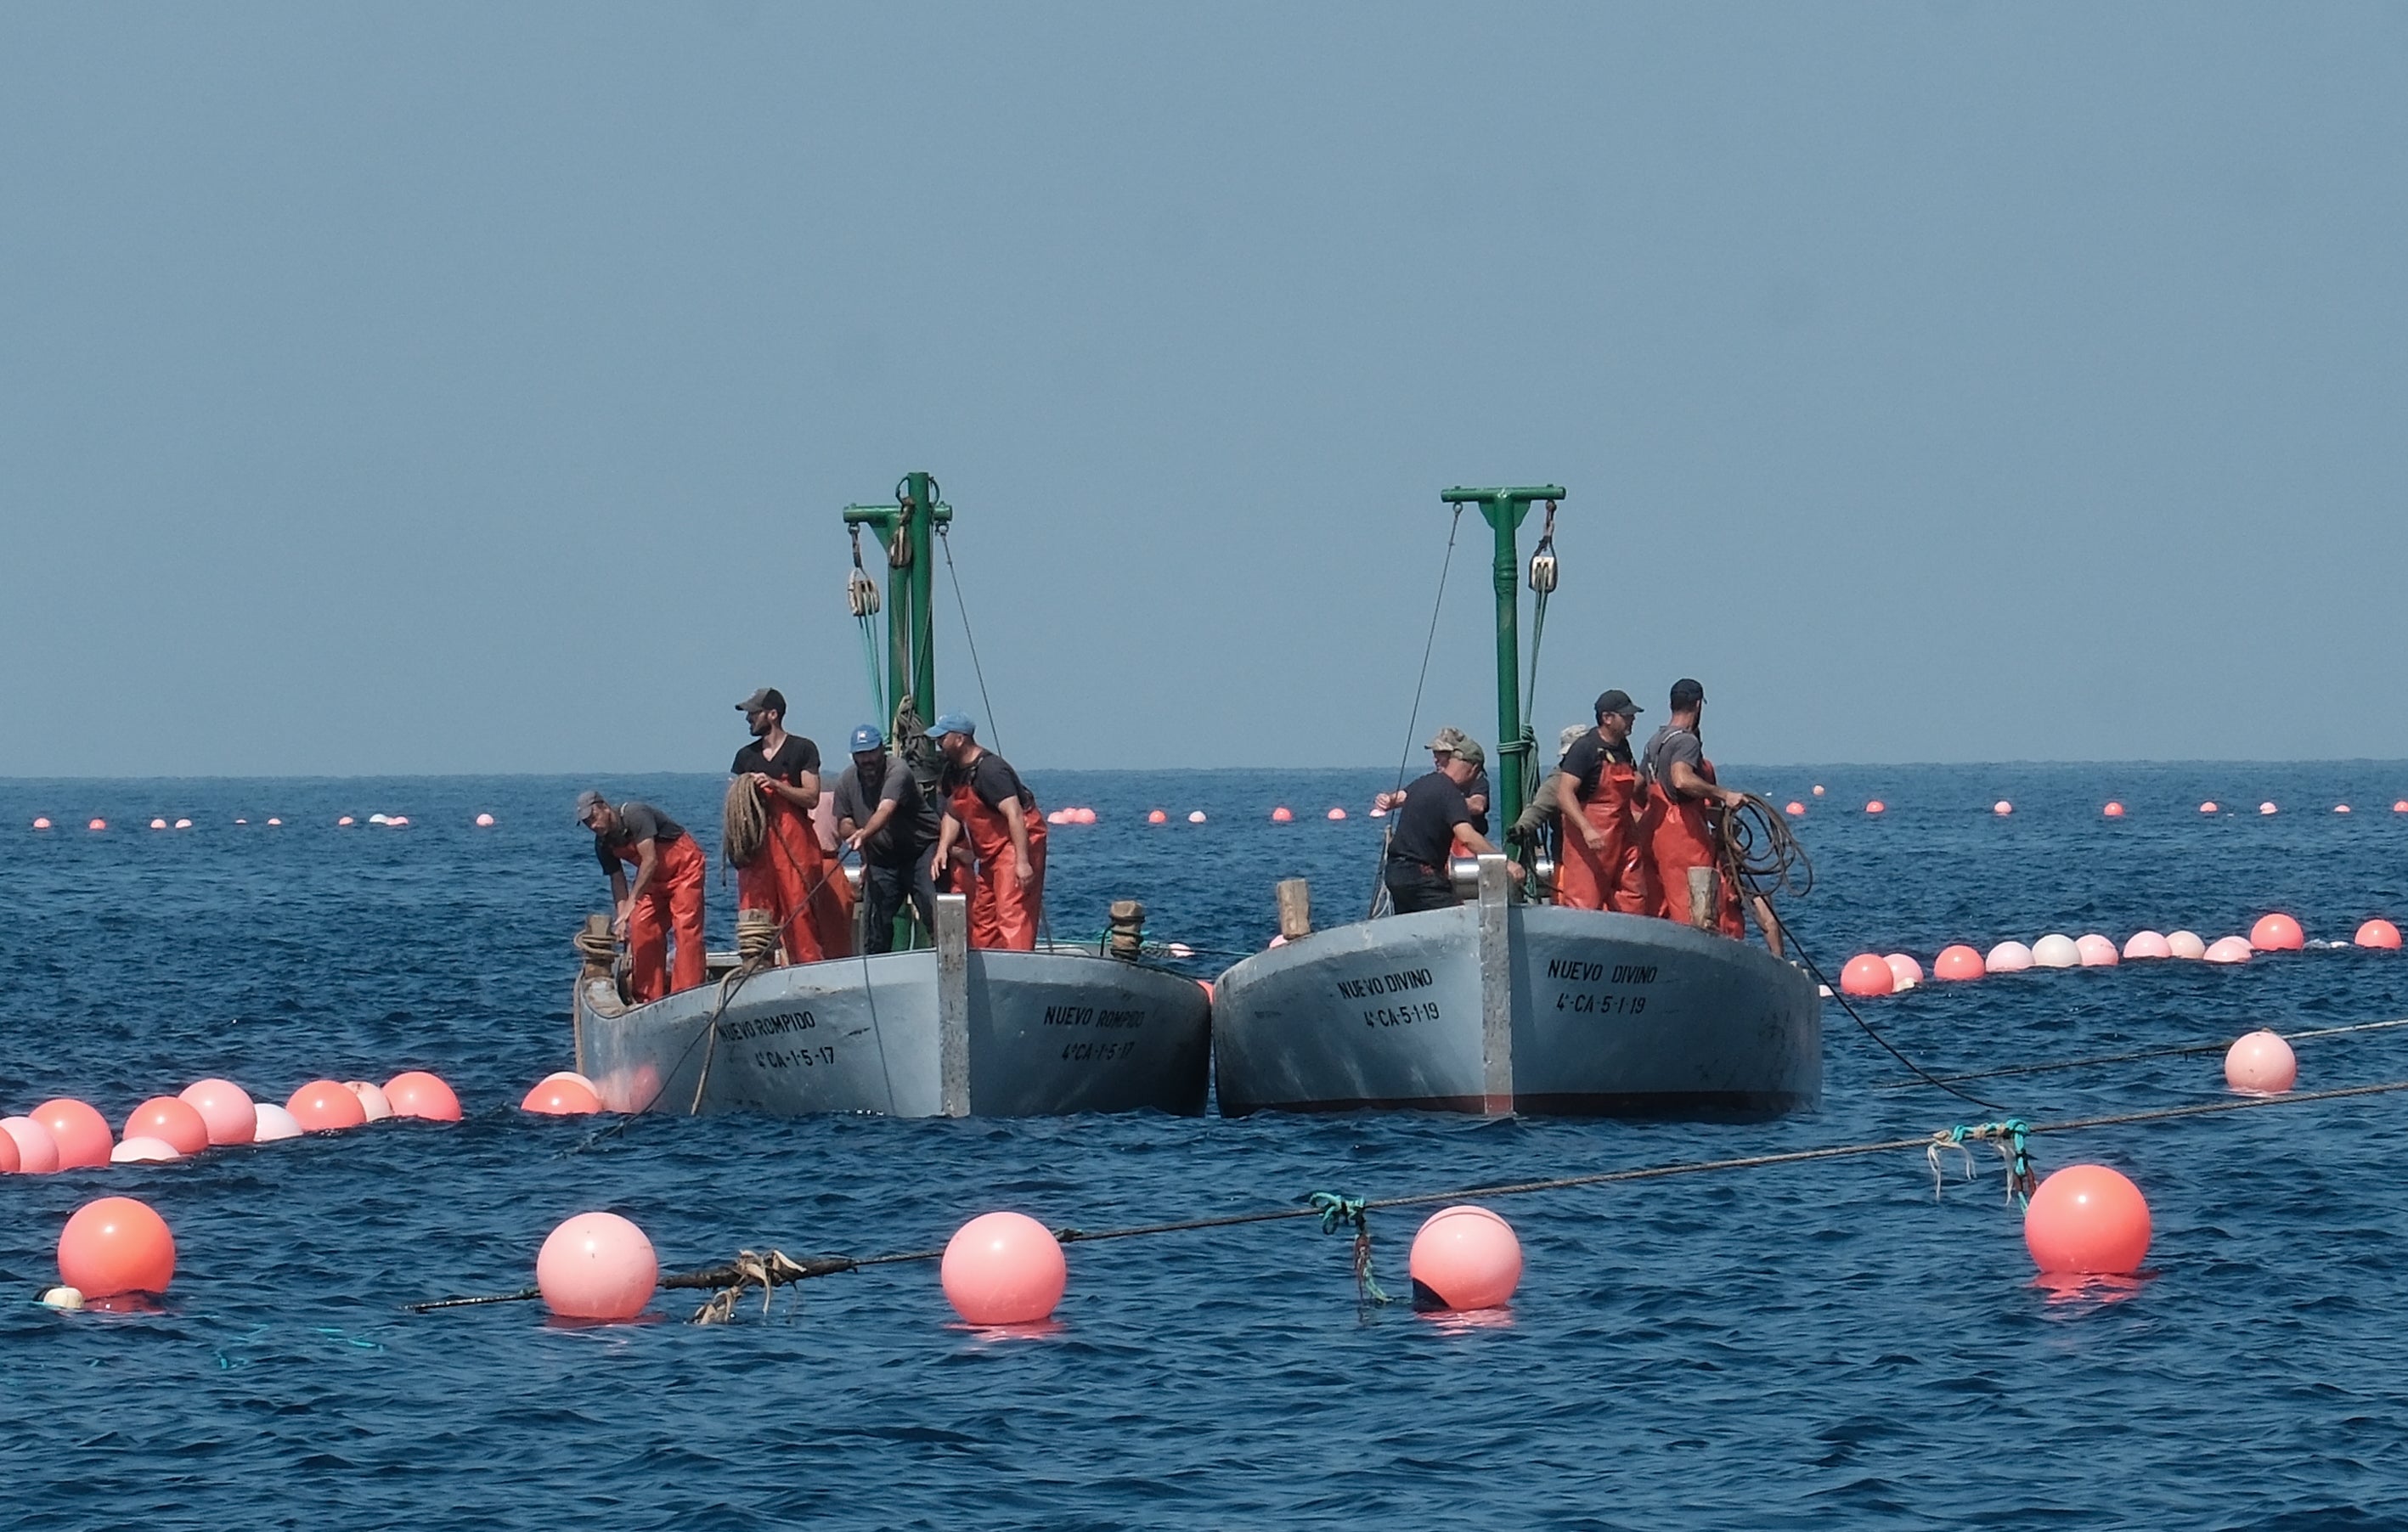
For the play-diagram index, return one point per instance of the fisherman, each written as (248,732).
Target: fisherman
(1542,817)
(881,814)
(1604,865)
(1680,783)
(1452,742)
(987,806)
(793,879)
(1434,825)
(664,898)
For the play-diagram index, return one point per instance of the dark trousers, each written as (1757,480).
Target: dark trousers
(1415,888)
(884,888)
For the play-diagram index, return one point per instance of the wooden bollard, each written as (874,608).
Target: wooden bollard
(1705,896)
(1295,909)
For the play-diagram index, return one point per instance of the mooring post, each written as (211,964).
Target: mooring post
(1295,909)
(1496,989)
(954,1004)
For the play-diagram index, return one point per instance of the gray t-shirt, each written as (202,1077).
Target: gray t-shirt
(637,822)
(1671,743)
(902,839)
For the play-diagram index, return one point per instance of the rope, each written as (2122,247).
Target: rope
(1347,1210)
(945,542)
(2177,1051)
(1921,1074)
(1338,1211)
(2013,1136)
(743,823)
(1414,722)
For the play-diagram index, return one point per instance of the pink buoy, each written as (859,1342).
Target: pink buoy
(1794,809)
(1866,974)
(271,1123)
(2096,951)
(372,1099)
(2341,808)
(1057,816)
(1281,815)
(41,823)
(2378,933)
(2227,949)
(1157,817)
(2146,944)
(597,1267)
(1086,816)
(1004,1268)
(2008,957)
(225,1108)
(345,820)
(562,1096)
(2208,807)
(2260,1063)
(2114,810)
(1338,813)
(1876,807)
(1818,789)
(2266,808)
(116,1245)
(38,1152)
(80,1132)
(2003,808)
(1958,962)
(2399,806)
(142,1150)
(1905,970)
(173,1120)
(274,821)
(2056,951)
(2184,944)
(1196,817)
(2087,1220)
(98,825)
(2277,933)
(12,1159)
(485,821)
(158,824)
(183,825)
(325,1105)
(414,1092)
(1465,1258)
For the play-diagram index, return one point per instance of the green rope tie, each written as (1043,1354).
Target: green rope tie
(2013,1138)
(1338,1211)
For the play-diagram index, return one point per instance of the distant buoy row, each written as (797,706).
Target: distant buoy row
(1071,816)
(2113,810)
(1875,973)
(67,1134)
(395,821)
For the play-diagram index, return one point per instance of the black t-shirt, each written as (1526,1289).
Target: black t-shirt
(992,778)
(1424,830)
(637,822)
(1478,788)
(796,757)
(909,829)
(1669,745)
(1586,760)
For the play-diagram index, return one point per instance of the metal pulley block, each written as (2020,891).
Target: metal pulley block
(861,593)
(1542,571)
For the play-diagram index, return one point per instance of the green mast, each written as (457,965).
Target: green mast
(907,528)
(1503,510)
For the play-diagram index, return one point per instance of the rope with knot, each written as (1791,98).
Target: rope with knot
(2013,1140)
(1338,1211)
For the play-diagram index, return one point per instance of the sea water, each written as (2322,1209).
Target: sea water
(1823,1342)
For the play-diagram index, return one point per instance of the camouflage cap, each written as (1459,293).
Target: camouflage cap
(1454,741)
(1570,736)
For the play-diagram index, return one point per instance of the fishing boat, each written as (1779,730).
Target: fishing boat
(1501,1005)
(936,1028)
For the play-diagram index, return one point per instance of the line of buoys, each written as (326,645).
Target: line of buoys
(1959,963)
(66,1134)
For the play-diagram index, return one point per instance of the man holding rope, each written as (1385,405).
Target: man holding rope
(665,897)
(1679,832)
(990,815)
(790,878)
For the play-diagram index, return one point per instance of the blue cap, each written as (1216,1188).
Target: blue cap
(867,738)
(951,723)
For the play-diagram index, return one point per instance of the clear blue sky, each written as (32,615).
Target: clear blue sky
(473,388)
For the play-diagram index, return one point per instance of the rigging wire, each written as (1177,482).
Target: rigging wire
(1413,723)
(945,542)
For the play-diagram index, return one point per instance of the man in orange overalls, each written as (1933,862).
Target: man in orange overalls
(987,805)
(664,898)
(794,880)
(1604,865)
(1680,783)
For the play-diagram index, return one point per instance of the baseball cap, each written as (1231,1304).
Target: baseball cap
(867,738)
(767,698)
(951,723)
(1450,741)
(1686,694)
(1618,701)
(1570,737)
(587,802)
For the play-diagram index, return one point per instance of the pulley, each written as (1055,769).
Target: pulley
(1542,559)
(861,593)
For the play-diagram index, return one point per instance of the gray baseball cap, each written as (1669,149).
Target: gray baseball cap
(587,802)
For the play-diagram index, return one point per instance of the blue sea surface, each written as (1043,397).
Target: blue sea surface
(1820,1342)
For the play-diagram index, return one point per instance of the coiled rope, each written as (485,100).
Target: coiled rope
(743,823)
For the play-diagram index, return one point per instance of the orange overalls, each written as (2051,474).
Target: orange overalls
(799,885)
(672,901)
(1681,838)
(1002,913)
(1614,878)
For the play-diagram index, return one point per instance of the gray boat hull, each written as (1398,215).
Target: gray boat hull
(1034,1033)
(1491,1007)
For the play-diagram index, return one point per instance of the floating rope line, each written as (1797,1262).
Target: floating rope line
(1922,1076)
(2013,1136)
(2176,1051)
(1334,1211)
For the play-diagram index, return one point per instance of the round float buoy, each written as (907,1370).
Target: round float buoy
(1157,817)
(1196,817)
(2208,807)
(345,820)
(2003,808)
(485,821)
(1058,816)
(2399,806)
(1876,807)
(597,1266)
(1905,970)
(116,1245)
(1867,973)
(325,1105)
(144,1149)
(2056,951)
(2266,807)
(226,1109)
(172,1119)
(2341,808)
(2087,1220)
(1794,809)
(1004,1268)
(1281,815)
(80,1132)
(12,1159)
(1087,815)
(414,1092)
(2095,950)
(1958,962)
(1465,1258)
(272,1123)
(98,825)
(158,824)
(2114,810)
(562,1096)
(274,821)
(183,825)
(2277,933)
(1338,813)
(2378,933)
(38,1152)
(2008,957)
(2227,949)
(2184,944)
(40,824)
(2260,1063)
(372,1100)
(1818,789)
(2146,944)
